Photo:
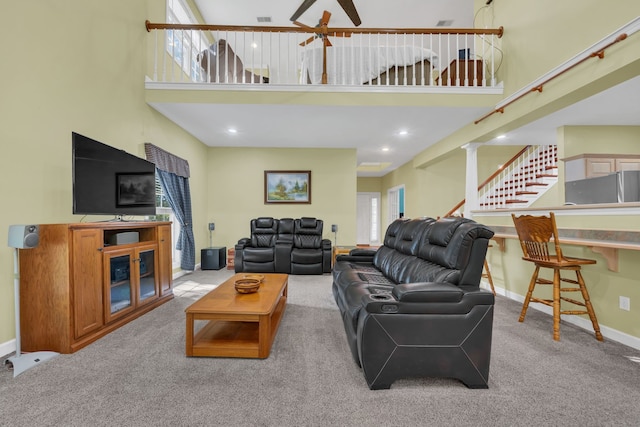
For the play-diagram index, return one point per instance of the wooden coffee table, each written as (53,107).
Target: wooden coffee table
(239,325)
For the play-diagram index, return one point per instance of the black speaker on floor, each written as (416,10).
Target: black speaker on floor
(213,258)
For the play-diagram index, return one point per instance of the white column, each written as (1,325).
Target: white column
(471,191)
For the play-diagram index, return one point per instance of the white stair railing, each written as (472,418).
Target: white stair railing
(529,175)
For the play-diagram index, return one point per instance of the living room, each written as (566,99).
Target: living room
(81,67)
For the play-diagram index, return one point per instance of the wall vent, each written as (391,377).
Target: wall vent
(444,23)
(264,19)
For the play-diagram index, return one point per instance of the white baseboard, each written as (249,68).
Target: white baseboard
(579,321)
(7,348)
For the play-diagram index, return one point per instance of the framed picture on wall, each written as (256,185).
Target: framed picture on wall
(287,187)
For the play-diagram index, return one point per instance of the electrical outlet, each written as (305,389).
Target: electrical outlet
(625,303)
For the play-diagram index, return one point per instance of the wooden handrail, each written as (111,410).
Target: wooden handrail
(599,54)
(330,31)
(488,180)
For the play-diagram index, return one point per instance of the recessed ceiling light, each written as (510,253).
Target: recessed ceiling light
(232,130)
(385,148)
(403,133)
(501,136)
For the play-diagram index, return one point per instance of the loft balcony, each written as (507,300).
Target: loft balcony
(323,59)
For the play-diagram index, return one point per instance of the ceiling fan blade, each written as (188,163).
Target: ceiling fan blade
(307,41)
(300,24)
(306,4)
(351,11)
(326,15)
(327,42)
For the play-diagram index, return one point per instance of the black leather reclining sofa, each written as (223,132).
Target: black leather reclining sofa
(414,308)
(287,245)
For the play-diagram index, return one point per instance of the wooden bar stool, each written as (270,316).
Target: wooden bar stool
(487,273)
(535,234)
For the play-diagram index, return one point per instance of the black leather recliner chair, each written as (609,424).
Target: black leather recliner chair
(284,246)
(311,254)
(257,254)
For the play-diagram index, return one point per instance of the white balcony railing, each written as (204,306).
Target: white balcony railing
(339,57)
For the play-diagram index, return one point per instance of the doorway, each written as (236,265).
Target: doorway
(395,196)
(368,219)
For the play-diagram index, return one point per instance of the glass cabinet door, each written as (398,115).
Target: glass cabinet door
(120,286)
(148,281)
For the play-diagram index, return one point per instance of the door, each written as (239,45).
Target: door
(395,196)
(119,275)
(146,274)
(87,281)
(368,219)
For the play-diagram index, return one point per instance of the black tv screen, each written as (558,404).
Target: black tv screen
(109,181)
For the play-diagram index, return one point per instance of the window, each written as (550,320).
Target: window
(165,213)
(184,45)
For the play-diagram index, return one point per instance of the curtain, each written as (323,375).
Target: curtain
(173,174)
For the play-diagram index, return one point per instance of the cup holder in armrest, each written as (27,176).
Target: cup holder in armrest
(380,303)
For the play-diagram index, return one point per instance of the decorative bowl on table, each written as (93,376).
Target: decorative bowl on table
(258,277)
(247,286)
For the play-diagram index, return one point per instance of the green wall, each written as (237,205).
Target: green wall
(601,140)
(236,189)
(75,66)
(369,185)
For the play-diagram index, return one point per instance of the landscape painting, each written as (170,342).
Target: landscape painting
(136,189)
(287,186)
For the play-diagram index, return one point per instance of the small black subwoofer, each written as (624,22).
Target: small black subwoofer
(213,258)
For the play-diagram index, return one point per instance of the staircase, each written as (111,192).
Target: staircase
(522,181)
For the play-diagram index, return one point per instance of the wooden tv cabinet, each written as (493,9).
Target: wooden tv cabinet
(81,282)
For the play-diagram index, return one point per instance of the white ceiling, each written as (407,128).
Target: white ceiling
(372,128)
(374,14)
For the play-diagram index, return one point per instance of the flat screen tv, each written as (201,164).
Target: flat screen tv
(109,181)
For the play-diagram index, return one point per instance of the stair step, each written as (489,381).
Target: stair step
(511,187)
(510,202)
(536,183)
(536,166)
(538,175)
(518,193)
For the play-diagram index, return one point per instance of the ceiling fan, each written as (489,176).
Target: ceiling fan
(323,33)
(347,5)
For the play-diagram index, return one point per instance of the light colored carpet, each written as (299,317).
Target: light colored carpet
(139,376)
